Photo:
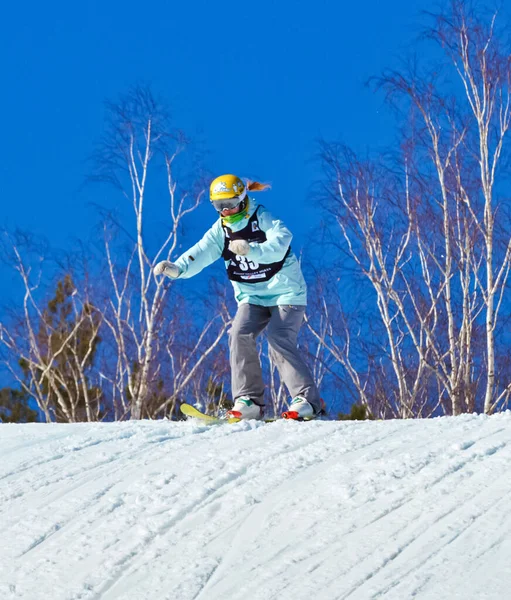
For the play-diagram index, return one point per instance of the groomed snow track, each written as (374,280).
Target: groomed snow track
(252,511)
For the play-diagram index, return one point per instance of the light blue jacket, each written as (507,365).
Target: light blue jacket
(285,287)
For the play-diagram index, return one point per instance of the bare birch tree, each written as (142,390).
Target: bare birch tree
(426,231)
(484,68)
(467,137)
(139,139)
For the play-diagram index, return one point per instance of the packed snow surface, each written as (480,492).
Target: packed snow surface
(254,511)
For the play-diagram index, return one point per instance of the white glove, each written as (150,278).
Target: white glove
(240,247)
(167,268)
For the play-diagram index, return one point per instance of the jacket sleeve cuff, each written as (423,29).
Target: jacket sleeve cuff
(183,267)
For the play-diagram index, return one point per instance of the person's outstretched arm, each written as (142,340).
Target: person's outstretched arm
(198,257)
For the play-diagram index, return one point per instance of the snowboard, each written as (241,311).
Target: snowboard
(191,411)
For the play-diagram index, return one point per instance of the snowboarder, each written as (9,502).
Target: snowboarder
(270,291)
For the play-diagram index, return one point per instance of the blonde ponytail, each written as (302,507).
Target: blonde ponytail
(255,186)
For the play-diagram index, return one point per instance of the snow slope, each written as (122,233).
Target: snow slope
(252,511)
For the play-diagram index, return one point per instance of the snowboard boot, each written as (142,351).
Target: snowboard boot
(299,409)
(244,408)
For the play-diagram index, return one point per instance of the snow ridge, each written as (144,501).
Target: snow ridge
(253,511)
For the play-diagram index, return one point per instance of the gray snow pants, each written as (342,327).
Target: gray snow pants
(283,325)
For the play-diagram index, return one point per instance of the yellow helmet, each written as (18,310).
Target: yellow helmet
(225,187)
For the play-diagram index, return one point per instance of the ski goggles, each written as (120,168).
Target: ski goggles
(226,203)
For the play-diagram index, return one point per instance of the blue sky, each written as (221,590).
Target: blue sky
(257,82)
